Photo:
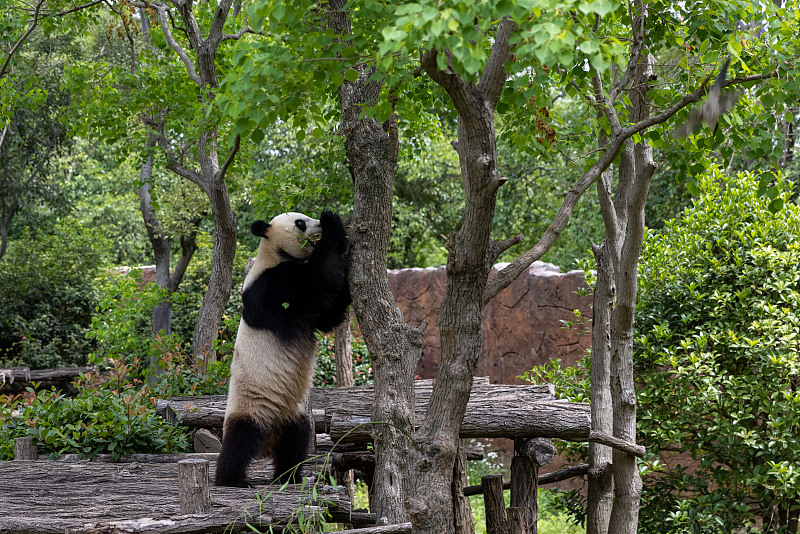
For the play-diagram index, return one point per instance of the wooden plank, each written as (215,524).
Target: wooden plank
(42,497)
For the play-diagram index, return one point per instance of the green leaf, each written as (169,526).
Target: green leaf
(776,205)
(351,75)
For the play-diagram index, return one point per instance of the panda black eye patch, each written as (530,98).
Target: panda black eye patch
(300,224)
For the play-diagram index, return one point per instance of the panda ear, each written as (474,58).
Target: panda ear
(259,228)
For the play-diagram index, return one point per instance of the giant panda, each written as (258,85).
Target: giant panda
(297,285)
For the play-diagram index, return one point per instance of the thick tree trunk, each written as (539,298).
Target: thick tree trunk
(471,254)
(394,347)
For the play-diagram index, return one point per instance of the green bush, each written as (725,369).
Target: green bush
(122,326)
(47,297)
(115,417)
(718,361)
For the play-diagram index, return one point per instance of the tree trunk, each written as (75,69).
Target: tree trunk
(219,285)
(600,479)
(161,243)
(343,355)
(471,254)
(394,347)
(636,172)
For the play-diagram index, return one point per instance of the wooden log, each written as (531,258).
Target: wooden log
(490,419)
(80,498)
(24,449)
(206,441)
(209,410)
(401,528)
(18,379)
(193,486)
(494,504)
(141,458)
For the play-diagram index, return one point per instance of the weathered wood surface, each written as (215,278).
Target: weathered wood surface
(17,379)
(489,419)
(209,410)
(43,497)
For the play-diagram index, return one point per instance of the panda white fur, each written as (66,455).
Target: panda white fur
(294,288)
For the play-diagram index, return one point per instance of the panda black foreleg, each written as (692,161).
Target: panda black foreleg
(290,444)
(241,442)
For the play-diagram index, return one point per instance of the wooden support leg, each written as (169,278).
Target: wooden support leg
(495,504)
(24,449)
(193,481)
(530,455)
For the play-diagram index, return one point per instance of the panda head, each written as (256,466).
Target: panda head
(288,234)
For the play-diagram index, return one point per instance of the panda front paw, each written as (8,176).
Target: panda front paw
(332,226)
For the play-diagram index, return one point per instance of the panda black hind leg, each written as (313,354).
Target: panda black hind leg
(242,440)
(290,441)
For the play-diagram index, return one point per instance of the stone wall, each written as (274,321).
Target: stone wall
(522,327)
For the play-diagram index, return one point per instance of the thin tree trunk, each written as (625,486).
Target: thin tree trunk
(343,355)
(600,478)
(462,511)
(637,173)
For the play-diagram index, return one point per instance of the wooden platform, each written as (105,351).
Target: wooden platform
(57,497)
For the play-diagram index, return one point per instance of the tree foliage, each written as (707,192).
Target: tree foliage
(717,359)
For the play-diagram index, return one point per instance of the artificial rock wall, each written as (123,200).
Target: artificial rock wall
(522,327)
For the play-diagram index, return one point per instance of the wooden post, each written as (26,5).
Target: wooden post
(343,356)
(193,481)
(524,489)
(494,504)
(530,455)
(24,449)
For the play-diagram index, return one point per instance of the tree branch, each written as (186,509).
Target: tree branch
(494,74)
(157,128)
(236,143)
(496,248)
(162,17)
(238,35)
(450,81)
(215,31)
(16,46)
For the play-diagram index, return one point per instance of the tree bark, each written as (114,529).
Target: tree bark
(471,254)
(394,346)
